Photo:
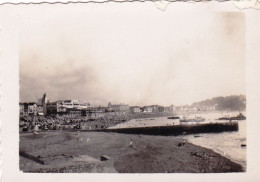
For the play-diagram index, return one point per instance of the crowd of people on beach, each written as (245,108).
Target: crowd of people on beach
(63,122)
(92,121)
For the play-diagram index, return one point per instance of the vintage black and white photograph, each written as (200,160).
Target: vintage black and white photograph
(108,88)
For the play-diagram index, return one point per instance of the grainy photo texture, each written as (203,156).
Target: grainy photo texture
(116,90)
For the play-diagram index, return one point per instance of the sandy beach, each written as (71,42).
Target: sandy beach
(64,151)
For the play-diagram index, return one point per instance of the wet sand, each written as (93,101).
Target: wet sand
(81,151)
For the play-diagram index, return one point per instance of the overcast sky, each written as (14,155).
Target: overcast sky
(134,54)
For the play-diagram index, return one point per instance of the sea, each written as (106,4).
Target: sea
(227,144)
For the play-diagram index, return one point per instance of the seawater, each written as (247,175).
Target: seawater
(227,144)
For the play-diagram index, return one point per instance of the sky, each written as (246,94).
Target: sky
(131,54)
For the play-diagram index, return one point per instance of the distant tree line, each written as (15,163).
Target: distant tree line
(233,102)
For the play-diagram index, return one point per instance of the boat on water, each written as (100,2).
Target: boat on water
(240,116)
(196,119)
(173,117)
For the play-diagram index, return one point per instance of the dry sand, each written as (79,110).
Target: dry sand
(64,151)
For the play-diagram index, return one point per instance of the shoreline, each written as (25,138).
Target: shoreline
(80,152)
(242,161)
(222,153)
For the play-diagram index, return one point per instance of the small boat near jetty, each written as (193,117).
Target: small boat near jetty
(240,116)
(173,117)
(196,119)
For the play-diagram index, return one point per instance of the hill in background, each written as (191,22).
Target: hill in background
(233,102)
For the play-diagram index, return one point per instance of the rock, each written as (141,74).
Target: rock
(196,136)
(104,158)
(194,153)
(181,144)
(33,158)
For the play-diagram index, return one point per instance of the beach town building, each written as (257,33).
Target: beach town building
(147,109)
(170,108)
(43,103)
(45,107)
(155,108)
(83,106)
(29,108)
(165,109)
(66,107)
(152,108)
(207,108)
(135,109)
(118,107)
(94,111)
(51,108)
(32,108)
(69,104)
(39,110)
(161,109)
(194,108)
(21,109)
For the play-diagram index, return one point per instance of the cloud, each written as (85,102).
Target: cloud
(135,58)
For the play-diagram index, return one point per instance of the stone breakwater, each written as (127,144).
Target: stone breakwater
(178,129)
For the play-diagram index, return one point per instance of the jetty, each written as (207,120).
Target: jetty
(175,130)
(169,130)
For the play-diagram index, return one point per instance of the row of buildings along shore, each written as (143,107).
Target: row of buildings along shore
(74,107)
